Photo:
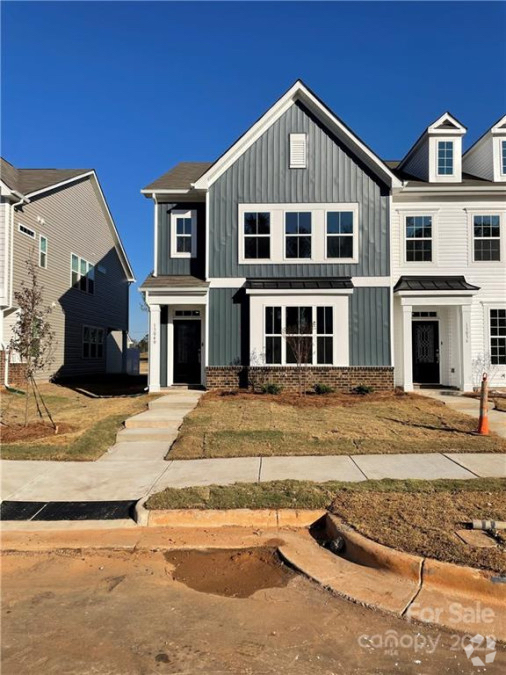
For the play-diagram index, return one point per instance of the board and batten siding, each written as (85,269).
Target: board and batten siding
(369,327)
(74,222)
(261,175)
(180,266)
(453,242)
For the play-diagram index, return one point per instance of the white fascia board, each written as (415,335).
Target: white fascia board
(436,301)
(371,282)
(431,189)
(54,186)
(170,290)
(458,129)
(299,291)
(296,92)
(227,282)
(180,191)
(435,294)
(499,127)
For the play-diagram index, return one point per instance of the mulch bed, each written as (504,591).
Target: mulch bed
(34,431)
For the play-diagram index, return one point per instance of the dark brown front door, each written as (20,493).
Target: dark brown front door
(187,352)
(426,352)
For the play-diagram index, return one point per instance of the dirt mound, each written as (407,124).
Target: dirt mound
(233,573)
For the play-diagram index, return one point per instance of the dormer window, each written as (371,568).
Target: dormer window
(298,151)
(445,158)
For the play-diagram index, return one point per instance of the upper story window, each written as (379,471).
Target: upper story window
(498,337)
(487,238)
(42,251)
(183,233)
(503,157)
(298,151)
(26,230)
(257,235)
(445,158)
(82,274)
(418,238)
(340,234)
(298,234)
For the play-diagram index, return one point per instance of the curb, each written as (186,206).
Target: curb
(258,518)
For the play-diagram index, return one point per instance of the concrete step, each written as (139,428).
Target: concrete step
(139,435)
(155,419)
(172,404)
(137,451)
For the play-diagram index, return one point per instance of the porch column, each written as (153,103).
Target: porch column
(154,348)
(467,365)
(407,342)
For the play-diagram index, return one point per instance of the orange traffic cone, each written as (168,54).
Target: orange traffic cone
(483,427)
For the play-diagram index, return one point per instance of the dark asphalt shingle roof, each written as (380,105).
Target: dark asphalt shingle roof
(180,177)
(27,181)
(301,284)
(166,281)
(439,283)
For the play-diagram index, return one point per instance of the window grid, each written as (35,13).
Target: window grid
(298,234)
(183,234)
(503,156)
(498,337)
(42,251)
(419,238)
(445,158)
(82,274)
(306,340)
(257,235)
(340,234)
(93,342)
(487,238)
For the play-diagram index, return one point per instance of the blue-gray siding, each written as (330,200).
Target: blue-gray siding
(262,175)
(180,266)
(369,327)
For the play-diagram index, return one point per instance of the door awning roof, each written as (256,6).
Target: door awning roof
(336,283)
(429,284)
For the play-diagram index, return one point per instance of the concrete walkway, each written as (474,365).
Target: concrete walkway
(468,406)
(135,467)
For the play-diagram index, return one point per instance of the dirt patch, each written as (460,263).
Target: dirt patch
(34,431)
(426,523)
(234,574)
(310,399)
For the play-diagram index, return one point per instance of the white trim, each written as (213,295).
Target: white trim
(31,234)
(298,91)
(154,348)
(298,151)
(419,213)
(227,282)
(46,252)
(156,191)
(171,318)
(155,243)
(435,299)
(207,247)
(183,213)
(475,211)
(372,282)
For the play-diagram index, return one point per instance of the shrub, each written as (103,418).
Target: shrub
(322,389)
(363,389)
(271,388)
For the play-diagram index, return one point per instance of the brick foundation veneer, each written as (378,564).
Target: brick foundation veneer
(16,373)
(344,379)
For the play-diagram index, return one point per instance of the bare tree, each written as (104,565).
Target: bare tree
(483,364)
(300,349)
(33,338)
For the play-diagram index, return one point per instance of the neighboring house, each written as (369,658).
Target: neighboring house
(292,247)
(59,218)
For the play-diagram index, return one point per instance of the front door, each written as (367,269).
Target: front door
(187,352)
(426,352)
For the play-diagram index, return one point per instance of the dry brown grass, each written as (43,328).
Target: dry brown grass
(86,425)
(250,425)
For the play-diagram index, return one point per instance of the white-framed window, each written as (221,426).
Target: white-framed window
(298,230)
(418,238)
(486,238)
(302,334)
(82,274)
(93,342)
(503,157)
(298,151)
(26,230)
(183,233)
(257,235)
(42,251)
(340,234)
(498,336)
(445,158)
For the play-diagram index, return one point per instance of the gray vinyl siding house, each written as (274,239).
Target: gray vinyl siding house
(89,306)
(216,285)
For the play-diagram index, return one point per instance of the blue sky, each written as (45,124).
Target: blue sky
(132,88)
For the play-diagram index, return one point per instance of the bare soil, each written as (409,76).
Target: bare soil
(235,574)
(122,613)
(34,431)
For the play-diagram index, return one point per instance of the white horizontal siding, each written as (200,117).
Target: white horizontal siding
(452,243)
(4,224)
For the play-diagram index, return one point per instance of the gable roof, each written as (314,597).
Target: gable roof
(180,177)
(31,182)
(445,123)
(297,92)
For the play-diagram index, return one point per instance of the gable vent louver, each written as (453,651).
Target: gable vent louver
(298,151)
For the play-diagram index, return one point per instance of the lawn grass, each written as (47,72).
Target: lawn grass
(262,425)
(87,426)
(415,516)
